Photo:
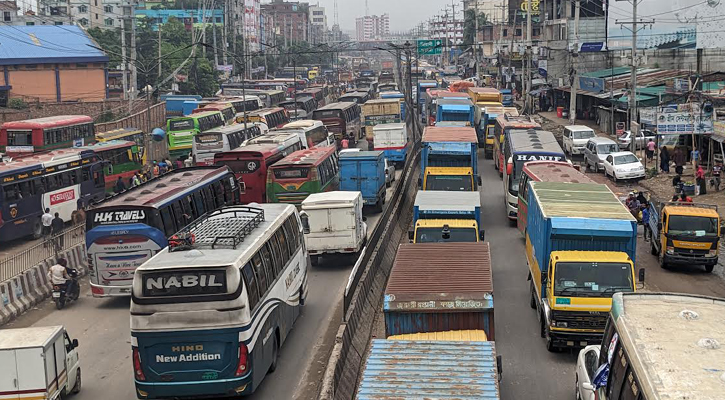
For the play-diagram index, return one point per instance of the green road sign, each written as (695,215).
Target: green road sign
(430,47)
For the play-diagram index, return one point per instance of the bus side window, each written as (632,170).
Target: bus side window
(294,230)
(208,196)
(167,219)
(276,254)
(251,283)
(218,196)
(284,244)
(260,273)
(198,204)
(269,266)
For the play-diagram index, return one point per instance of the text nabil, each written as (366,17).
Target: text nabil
(183,281)
(119,216)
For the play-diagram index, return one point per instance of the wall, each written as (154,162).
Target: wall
(78,83)
(93,109)
(82,84)
(685,59)
(33,83)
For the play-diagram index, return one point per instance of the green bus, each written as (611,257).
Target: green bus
(303,173)
(123,158)
(180,131)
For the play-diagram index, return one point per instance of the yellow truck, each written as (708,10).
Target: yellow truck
(449,159)
(443,216)
(580,248)
(685,234)
(382,111)
(484,95)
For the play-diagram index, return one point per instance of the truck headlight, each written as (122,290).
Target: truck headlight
(712,253)
(559,324)
(670,250)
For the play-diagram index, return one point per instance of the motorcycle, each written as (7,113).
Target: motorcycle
(68,291)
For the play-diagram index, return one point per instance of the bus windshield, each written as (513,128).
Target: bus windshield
(185,124)
(459,183)
(588,279)
(438,235)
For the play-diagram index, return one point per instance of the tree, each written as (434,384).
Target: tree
(469,26)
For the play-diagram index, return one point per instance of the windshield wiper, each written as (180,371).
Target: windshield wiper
(614,288)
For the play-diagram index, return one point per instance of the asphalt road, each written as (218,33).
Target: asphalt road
(102,328)
(529,370)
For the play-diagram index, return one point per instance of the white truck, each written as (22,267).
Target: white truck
(333,224)
(38,363)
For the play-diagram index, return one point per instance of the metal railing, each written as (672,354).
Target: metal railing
(48,248)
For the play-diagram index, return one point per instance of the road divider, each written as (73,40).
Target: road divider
(31,287)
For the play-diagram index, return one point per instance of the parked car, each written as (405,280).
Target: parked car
(642,139)
(389,173)
(586,365)
(575,138)
(597,150)
(623,165)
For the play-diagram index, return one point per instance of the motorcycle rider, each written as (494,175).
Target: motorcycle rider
(59,274)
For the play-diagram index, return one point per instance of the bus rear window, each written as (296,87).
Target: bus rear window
(241,166)
(328,114)
(291,173)
(181,124)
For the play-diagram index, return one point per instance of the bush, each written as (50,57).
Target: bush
(107,116)
(17,104)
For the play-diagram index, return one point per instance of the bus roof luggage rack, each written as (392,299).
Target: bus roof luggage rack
(226,227)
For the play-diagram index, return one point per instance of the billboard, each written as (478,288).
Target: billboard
(678,24)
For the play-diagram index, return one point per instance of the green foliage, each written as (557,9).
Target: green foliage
(17,104)
(469,26)
(107,116)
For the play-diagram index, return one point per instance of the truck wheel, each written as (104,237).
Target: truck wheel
(663,263)
(379,205)
(709,268)
(653,249)
(315,260)
(532,301)
(550,343)
(542,324)
(77,387)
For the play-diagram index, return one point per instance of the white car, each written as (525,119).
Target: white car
(642,139)
(586,365)
(575,138)
(623,165)
(389,173)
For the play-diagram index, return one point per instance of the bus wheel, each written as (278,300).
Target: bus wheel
(37,229)
(532,302)
(275,354)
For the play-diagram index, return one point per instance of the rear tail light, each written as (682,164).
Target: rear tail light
(242,365)
(137,371)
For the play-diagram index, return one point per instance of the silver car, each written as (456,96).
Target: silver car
(596,151)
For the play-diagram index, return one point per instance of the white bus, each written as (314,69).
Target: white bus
(225,138)
(312,133)
(282,138)
(208,318)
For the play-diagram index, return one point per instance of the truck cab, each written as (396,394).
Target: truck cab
(446,216)
(685,234)
(577,289)
(459,179)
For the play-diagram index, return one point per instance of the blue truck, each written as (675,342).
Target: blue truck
(507,98)
(580,247)
(449,159)
(175,104)
(364,172)
(440,216)
(455,110)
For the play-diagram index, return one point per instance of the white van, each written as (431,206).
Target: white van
(333,223)
(40,361)
(576,138)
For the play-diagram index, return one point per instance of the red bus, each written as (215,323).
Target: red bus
(505,123)
(544,171)
(49,133)
(250,164)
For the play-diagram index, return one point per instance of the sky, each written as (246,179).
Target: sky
(404,14)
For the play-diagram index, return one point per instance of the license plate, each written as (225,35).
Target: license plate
(125,290)
(56,295)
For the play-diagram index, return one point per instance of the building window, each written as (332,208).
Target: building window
(108,9)
(58,23)
(82,9)
(7,16)
(535,32)
(518,31)
(505,32)
(96,16)
(108,22)
(95,2)
(219,20)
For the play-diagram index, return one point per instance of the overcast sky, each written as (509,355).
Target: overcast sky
(404,14)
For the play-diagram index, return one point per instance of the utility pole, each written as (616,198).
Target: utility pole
(475,45)
(159,78)
(124,60)
(213,38)
(134,72)
(225,24)
(455,28)
(633,79)
(511,50)
(528,58)
(574,57)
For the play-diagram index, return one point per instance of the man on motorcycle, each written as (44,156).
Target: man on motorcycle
(59,274)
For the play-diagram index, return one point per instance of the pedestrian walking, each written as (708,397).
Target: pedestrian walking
(57,226)
(156,170)
(47,220)
(179,164)
(135,180)
(645,222)
(665,160)
(651,147)
(120,186)
(716,171)
(680,159)
(345,142)
(700,180)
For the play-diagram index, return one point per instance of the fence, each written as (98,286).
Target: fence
(17,264)
(156,114)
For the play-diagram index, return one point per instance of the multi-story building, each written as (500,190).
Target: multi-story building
(372,28)
(291,19)
(495,10)
(443,27)
(189,18)
(106,14)
(252,24)
(318,24)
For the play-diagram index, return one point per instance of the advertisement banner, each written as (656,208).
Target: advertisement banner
(684,123)
(594,85)
(678,24)
(719,128)
(543,67)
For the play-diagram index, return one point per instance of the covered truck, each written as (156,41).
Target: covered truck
(441,216)
(333,223)
(449,159)
(455,110)
(580,248)
(38,363)
(364,172)
(438,287)
(383,111)
(392,139)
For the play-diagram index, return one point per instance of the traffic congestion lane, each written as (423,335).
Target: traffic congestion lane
(529,370)
(102,328)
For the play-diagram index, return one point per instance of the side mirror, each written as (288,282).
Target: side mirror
(420,183)
(482,234)
(641,275)
(75,343)
(411,234)
(480,181)
(509,169)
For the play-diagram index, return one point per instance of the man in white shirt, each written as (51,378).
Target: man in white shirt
(47,220)
(58,274)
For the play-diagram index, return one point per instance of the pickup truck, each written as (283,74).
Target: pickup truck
(685,234)
(580,249)
(440,216)
(642,139)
